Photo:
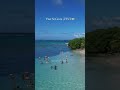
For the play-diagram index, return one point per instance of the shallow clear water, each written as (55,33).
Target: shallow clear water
(68,76)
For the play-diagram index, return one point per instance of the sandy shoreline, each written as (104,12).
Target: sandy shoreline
(80,51)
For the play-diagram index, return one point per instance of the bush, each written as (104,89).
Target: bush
(77,43)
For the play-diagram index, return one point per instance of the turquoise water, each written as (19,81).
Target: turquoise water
(68,76)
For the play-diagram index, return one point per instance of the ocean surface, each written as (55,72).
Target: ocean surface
(67,76)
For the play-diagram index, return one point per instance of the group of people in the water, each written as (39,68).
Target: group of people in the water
(46,59)
(66,60)
(54,67)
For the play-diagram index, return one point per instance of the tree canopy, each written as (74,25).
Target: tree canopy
(103,41)
(77,43)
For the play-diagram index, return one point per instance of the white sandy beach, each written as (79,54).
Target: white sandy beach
(80,51)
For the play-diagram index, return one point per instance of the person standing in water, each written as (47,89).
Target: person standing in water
(66,60)
(40,60)
(55,67)
(62,62)
(47,59)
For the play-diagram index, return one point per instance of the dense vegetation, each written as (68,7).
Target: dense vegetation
(77,43)
(99,41)
(103,41)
